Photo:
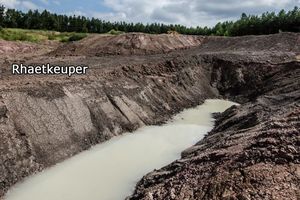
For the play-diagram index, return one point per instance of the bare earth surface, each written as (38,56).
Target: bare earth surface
(139,79)
(128,44)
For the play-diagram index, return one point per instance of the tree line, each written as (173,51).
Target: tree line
(267,23)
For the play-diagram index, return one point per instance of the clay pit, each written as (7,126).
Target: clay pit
(136,80)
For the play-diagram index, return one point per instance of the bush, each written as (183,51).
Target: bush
(114,32)
(76,37)
(64,39)
(51,37)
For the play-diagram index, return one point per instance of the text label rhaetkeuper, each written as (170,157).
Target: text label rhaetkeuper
(47,69)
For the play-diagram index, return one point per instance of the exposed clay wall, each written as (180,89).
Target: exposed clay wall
(252,153)
(46,120)
(45,125)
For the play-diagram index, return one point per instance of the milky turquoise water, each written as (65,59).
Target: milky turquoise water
(109,171)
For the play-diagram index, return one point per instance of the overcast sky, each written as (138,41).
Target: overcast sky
(186,12)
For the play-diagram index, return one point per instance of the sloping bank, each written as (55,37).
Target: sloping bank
(252,153)
(254,150)
(46,124)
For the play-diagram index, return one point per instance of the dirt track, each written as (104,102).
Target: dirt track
(46,119)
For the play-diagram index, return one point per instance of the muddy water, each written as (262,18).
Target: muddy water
(109,171)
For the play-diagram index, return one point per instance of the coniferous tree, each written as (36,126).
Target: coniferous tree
(267,23)
(2,9)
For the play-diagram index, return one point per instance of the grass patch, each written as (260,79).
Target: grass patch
(66,37)
(114,32)
(38,35)
(17,35)
(77,36)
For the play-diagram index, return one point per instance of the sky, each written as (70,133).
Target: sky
(185,12)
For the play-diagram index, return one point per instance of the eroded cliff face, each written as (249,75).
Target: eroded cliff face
(45,124)
(44,120)
(252,153)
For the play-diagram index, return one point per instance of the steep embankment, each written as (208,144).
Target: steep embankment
(46,119)
(43,123)
(252,153)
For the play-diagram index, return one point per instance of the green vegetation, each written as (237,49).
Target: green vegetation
(267,23)
(2,12)
(18,35)
(14,34)
(77,36)
(114,32)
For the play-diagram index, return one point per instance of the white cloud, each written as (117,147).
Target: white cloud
(56,2)
(46,2)
(77,13)
(19,4)
(29,5)
(10,3)
(188,12)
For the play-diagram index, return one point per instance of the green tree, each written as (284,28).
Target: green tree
(2,9)
(267,23)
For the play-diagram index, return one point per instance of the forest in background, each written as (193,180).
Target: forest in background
(267,23)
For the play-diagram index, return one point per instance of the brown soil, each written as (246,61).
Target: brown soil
(127,44)
(17,49)
(253,152)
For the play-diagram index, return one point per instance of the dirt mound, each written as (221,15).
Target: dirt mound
(13,48)
(8,47)
(145,44)
(127,44)
(283,42)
